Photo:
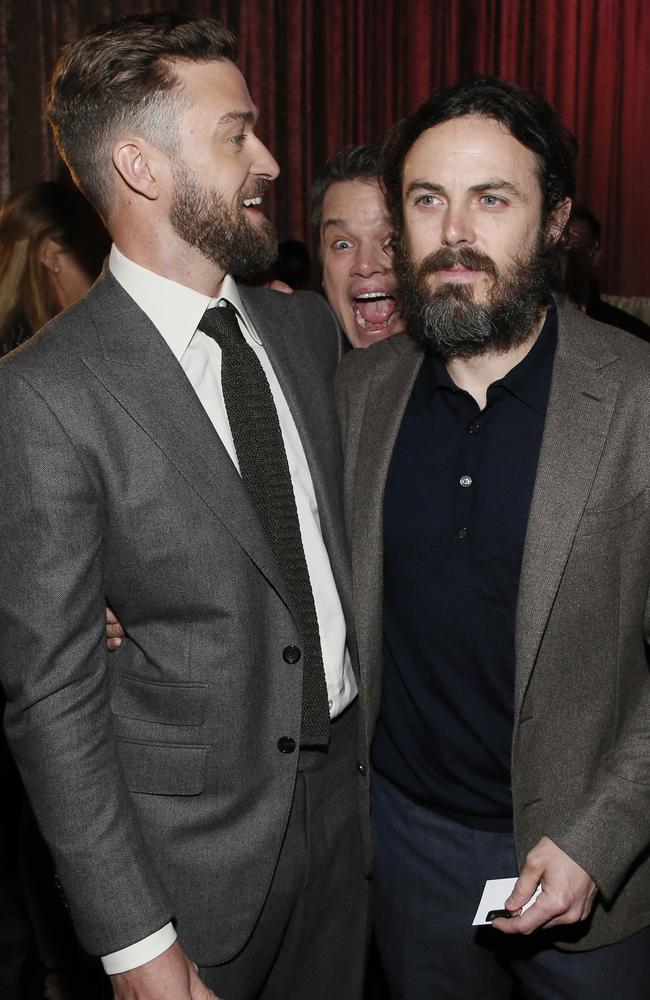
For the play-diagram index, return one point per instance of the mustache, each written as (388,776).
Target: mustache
(445,259)
(259,188)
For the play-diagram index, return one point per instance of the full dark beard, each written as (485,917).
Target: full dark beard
(452,323)
(201,217)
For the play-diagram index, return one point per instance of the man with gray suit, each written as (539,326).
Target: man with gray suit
(169,448)
(497,488)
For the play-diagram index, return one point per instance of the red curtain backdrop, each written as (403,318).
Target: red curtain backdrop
(329,72)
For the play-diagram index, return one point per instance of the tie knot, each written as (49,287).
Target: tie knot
(220,323)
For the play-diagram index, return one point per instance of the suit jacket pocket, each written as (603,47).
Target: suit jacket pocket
(163,769)
(168,704)
(595,522)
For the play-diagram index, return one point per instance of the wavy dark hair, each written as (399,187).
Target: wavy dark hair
(527,116)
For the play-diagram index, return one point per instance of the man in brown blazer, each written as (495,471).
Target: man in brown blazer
(497,490)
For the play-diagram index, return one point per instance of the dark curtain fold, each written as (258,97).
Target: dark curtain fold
(329,72)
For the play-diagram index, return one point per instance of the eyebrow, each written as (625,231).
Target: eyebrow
(496,184)
(245,117)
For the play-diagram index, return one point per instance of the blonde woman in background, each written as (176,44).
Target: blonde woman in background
(51,248)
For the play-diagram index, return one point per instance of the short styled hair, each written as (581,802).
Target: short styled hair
(120,76)
(526,115)
(351,163)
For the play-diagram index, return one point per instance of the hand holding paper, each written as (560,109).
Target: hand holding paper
(495,893)
(567,895)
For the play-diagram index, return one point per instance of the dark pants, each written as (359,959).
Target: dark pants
(310,941)
(428,878)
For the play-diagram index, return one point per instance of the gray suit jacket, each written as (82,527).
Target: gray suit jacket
(581,741)
(155,771)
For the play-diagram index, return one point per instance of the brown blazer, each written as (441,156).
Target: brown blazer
(581,739)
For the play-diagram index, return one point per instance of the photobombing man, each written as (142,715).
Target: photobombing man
(355,233)
(497,503)
(169,449)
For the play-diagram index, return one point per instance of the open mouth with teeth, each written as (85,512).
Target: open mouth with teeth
(374,311)
(253,202)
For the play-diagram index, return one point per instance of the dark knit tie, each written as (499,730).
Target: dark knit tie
(265,472)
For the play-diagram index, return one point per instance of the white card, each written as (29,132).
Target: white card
(495,893)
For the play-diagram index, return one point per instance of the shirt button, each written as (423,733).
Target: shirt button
(465,480)
(462,534)
(474,428)
(286,744)
(291,654)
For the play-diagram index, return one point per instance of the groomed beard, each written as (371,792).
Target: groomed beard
(452,323)
(223,235)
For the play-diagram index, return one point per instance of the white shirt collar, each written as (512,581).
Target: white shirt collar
(174,309)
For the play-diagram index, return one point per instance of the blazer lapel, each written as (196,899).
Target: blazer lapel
(386,397)
(137,368)
(580,409)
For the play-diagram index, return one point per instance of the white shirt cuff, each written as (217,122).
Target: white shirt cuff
(140,952)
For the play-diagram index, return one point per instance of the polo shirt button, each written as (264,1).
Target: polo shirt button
(474,428)
(462,534)
(286,744)
(465,480)
(291,654)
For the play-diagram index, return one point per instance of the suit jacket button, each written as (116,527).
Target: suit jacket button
(291,654)
(362,770)
(286,744)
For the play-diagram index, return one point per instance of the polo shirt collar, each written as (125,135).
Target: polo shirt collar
(529,381)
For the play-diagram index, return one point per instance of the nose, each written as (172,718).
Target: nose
(457,227)
(264,164)
(372,259)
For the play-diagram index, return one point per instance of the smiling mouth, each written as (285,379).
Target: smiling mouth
(253,202)
(374,310)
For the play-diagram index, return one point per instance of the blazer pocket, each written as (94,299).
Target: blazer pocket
(595,522)
(175,704)
(163,769)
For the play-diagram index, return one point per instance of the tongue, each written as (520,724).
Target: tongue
(376,312)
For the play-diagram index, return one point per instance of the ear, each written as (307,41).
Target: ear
(50,255)
(558,220)
(140,165)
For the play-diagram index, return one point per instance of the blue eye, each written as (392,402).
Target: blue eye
(341,245)
(491,200)
(427,199)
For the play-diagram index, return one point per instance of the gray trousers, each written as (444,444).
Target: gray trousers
(310,941)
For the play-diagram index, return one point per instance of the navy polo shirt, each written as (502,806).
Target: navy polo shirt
(455,515)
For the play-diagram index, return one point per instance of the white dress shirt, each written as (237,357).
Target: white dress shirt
(176,310)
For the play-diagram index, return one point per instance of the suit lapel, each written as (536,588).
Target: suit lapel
(138,369)
(580,409)
(386,398)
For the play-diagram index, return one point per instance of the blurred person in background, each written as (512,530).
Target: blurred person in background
(582,257)
(292,266)
(52,245)
(355,240)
